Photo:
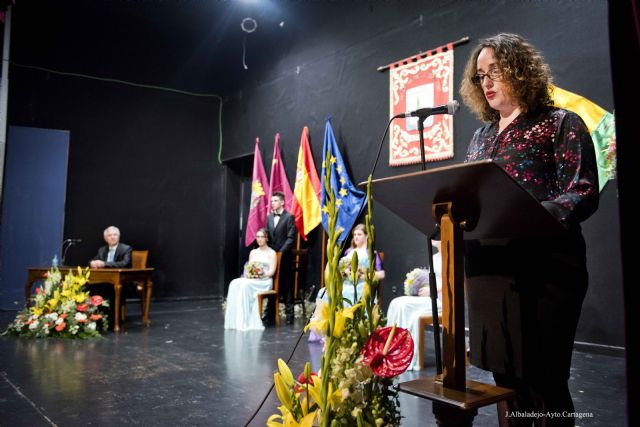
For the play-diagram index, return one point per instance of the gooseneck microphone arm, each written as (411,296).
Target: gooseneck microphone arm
(65,247)
(386,130)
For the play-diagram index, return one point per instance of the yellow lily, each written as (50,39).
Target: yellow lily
(335,397)
(289,421)
(37,311)
(287,376)
(81,297)
(283,392)
(315,389)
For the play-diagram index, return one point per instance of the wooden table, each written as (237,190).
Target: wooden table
(114,276)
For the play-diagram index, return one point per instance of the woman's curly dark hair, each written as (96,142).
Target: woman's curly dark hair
(524,72)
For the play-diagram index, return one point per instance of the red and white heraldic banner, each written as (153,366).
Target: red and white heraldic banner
(421,83)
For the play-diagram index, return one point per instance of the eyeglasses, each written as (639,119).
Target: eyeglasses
(493,74)
(259,236)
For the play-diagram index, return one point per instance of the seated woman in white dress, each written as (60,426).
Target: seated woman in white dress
(242,298)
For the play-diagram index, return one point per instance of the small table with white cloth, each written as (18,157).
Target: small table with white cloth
(405,312)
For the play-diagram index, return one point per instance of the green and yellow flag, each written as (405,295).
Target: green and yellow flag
(601,125)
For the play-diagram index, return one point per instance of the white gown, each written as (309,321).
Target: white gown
(242,298)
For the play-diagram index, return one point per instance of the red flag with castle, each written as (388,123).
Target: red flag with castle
(278,181)
(259,201)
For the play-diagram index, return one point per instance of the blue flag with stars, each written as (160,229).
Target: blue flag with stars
(350,202)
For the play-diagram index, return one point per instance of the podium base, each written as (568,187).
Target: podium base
(455,407)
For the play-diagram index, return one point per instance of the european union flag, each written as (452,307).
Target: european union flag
(350,202)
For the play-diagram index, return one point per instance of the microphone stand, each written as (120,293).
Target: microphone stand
(421,120)
(433,290)
(69,243)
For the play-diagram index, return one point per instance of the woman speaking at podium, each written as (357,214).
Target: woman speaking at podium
(525,295)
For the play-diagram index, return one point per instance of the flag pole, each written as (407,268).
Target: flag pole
(322,251)
(297,267)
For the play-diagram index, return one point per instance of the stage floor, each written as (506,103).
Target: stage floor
(186,370)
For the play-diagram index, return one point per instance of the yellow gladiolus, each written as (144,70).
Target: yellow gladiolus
(375,316)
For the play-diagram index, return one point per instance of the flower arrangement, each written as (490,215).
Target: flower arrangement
(360,356)
(61,308)
(253,270)
(344,265)
(416,279)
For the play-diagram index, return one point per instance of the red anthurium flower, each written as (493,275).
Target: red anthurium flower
(95,316)
(46,274)
(63,316)
(61,326)
(82,307)
(388,352)
(96,300)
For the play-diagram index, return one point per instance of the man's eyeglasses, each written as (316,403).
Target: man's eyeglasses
(259,236)
(493,74)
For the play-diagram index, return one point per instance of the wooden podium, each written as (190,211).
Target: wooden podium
(475,200)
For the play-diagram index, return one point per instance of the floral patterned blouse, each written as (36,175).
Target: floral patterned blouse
(548,152)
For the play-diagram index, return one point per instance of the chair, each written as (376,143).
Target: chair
(299,275)
(138,260)
(273,293)
(423,321)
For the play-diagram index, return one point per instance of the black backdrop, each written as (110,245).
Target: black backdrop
(146,159)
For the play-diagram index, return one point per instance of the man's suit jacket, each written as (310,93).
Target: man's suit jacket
(283,236)
(121,259)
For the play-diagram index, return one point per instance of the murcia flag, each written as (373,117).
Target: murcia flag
(259,202)
(278,181)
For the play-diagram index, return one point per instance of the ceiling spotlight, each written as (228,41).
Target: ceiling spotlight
(249,25)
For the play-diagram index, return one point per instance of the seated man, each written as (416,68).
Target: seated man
(115,254)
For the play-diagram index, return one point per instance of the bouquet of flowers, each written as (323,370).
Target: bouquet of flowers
(253,270)
(346,269)
(61,308)
(360,357)
(416,279)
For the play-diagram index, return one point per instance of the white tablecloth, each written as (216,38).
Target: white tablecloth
(405,312)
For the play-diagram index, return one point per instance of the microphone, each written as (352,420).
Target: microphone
(449,108)
(72,241)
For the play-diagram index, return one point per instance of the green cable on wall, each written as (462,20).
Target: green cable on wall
(166,89)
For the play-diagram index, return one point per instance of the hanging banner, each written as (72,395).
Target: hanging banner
(421,83)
